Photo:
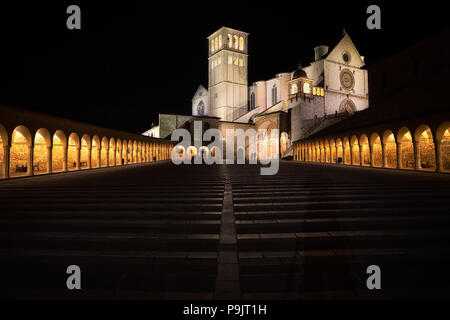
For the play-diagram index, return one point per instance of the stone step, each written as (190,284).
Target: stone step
(7,203)
(111,276)
(392,203)
(110,214)
(337,196)
(349,276)
(109,241)
(110,225)
(96,256)
(338,212)
(341,224)
(118,207)
(344,239)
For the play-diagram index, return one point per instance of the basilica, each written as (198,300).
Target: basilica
(297,103)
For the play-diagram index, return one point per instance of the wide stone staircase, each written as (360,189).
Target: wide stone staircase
(160,231)
(305,233)
(142,233)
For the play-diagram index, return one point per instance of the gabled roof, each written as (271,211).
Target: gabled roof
(344,40)
(200,88)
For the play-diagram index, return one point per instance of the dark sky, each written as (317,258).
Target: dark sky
(131,61)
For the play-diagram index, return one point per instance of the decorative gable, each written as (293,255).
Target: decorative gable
(201,92)
(345,52)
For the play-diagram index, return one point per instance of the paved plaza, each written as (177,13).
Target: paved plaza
(160,231)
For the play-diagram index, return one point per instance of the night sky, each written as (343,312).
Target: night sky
(130,62)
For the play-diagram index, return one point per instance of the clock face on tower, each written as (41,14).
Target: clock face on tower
(347,79)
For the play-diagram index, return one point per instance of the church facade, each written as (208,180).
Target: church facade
(297,103)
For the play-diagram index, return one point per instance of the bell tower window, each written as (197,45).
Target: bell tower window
(241,44)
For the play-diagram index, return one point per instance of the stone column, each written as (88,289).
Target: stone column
(352,162)
(64,166)
(351,155)
(384,155)
(6,150)
(371,156)
(437,152)
(77,166)
(335,153)
(399,155)
(107,157)
(99,157)
(343,154)
(125,161)
(30,161)
(115,156)
(89,164)
(361,160)
(417,159)
(49,160)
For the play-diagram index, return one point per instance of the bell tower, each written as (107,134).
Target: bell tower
(227,70)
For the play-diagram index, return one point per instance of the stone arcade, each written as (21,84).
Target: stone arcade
(32,143)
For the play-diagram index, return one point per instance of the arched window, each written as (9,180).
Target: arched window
(252,101)
(235,42)
(212,45)
(274,95)
(220,41)
(241,43)
(216,43)
(229,40)
(201,108)
(294,88)
(306,88)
